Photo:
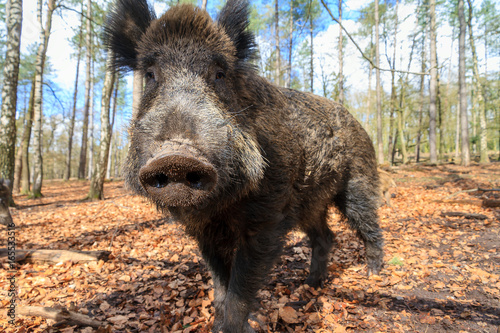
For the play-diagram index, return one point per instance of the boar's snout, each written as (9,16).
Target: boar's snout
(178,179)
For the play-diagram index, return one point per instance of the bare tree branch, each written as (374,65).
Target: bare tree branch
(359,48)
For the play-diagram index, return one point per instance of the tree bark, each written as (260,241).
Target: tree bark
(71,129)
(115,100)
(311,36)
(138,86)
(38,95)
(457,134)
(380,141)
(18,165)
(369,101)
(483,139)
(91,140)
(290,47)
(341,58)
(14,19)
(61,316)
(97,183)
(21,161)
(88,42)
(277,40)
(464,122)
(433,84)
(25,170)
(393,141)
(421,107)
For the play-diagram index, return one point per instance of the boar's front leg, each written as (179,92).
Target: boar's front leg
(219,264)
(252,262)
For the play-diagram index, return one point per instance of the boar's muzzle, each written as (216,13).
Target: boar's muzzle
(178,178)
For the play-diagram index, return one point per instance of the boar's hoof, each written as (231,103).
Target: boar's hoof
(178,180)
(314,282)
(374,265)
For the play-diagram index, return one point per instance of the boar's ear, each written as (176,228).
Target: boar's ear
(124,27)
(234,19)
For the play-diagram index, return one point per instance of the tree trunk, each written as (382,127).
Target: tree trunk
(38,96)
(18,166)
(341,58)
(392,141)
(115,101)
(25,171)
(421,107)
(462,87)
(446,102)
(457,135)
(97,183)
(91,164)
(204,4)
(290,48)
(14,19)
(138,86)
(85,128)
(402,103)
(483,141)
(440,121)
(311,36)
(369,101)
(433,84)
(277,40)
(71,129)
(380,141)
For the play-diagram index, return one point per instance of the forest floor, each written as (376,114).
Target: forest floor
(441,274)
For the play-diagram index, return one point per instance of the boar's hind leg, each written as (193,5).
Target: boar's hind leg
(359,203)
(322,240)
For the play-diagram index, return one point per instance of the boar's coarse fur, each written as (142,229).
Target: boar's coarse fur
(237,160)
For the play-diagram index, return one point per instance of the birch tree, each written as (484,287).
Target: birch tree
(478,93)
(341,58)
(73,113)
(464,122)
(88,43)
(277,41)
(433,83)
(38,93)
(97,183)
(9,90)
(380,142)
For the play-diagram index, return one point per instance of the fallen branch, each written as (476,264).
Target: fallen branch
(490,203)
(56,256)
(488,189)
(463,191)
(461,202)
(471,216)
(479,189)
(61,316)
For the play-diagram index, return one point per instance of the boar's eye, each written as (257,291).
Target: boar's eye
(150,76)
(220,75)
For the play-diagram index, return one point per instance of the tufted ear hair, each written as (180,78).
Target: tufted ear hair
(234,19)
(125,25)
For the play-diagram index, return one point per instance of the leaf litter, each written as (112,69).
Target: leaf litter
(441,274)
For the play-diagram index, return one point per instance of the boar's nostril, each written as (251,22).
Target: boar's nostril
(156,180)
(159,181)
(196,180)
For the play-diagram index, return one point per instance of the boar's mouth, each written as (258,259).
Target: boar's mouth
(178,180)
